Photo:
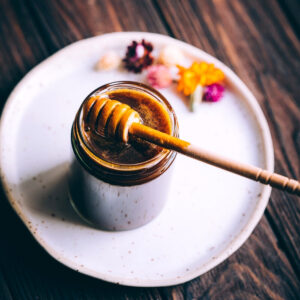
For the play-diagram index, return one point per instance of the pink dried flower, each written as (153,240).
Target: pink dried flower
(213,92)
(138,56)
(159,76)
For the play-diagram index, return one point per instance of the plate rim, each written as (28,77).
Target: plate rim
(244,233)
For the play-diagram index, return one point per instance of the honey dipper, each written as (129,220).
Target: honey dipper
(117,120)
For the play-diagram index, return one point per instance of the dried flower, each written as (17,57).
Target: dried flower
(198,73)
(110,60)
(159,76)
(170,56)
(213,92)
(138,56)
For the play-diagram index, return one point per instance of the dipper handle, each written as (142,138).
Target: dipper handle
(167,141)
(109,117)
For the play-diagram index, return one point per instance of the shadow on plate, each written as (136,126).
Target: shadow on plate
(46,194)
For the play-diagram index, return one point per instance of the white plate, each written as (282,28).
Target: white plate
(210,213)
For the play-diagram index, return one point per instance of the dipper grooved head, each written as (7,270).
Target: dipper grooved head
(109,118)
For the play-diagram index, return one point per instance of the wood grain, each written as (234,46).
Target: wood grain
(21,46)
(258,39)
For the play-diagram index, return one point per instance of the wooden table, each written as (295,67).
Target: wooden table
(259,40)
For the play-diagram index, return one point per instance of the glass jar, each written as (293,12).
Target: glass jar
(115,196)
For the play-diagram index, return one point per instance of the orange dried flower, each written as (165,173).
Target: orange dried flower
(198,73)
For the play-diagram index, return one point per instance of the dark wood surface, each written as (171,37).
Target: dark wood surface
(259,40)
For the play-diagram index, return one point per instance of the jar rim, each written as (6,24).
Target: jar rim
(164,154)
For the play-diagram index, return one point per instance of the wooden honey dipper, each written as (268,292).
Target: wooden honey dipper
(117,120)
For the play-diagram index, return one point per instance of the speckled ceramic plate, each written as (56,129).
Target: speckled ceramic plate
(210,213)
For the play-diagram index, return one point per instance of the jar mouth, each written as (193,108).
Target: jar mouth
(131,85)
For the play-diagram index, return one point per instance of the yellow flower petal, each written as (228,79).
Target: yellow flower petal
(198,73)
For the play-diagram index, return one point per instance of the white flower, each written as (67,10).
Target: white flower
(170,56)
(110,60)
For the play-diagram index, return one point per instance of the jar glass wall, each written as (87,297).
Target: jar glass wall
(119,196)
